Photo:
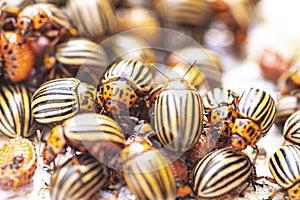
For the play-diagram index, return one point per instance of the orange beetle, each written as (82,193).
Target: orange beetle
(17,56)
(18,162)
(43,19)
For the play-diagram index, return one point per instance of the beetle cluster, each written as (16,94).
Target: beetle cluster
(288,89)
(124,123)
(180,118)
(283,164)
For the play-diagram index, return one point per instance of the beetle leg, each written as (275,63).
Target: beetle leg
(242,193)
(51,73)
(64,70)
(274,194)
(271,180)
(283,143)
(256,155)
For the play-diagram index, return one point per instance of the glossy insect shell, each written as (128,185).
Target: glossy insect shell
(259,106)
(18,161)
(31,18)
(94,19)
(59,99)
(184,12)
(147,172)
(80,177)
(223,118)
(285,106)
(219,172)
(135,72)
(207,62)
(193,75)
(36,17)
(81,51)
(245,132)
(284,166)
(219,97)
(17,57)
(16,118)
(178,115)
(122,85)
(130,47)
(97,133)
(289,81)
(291,129)
(181,174)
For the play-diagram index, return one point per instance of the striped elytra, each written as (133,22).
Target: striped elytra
(220,109)
(284,166)
(191,73)
(130,47)
(184,12)
(78,52)
(285,106)
(121,86)
(16,118)
(18,161)
(80,177)
(94,19)
(147,172)
(219,97)
(219,172)
(206,61)
(257,105)
(291,129)
(96,133)
(62,98)
(135,72)
(178,115)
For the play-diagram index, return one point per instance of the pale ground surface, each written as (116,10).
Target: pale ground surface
(238,76)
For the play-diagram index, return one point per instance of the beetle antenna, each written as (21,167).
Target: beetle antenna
(189,69)
(157,69)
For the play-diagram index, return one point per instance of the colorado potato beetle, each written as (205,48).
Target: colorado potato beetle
(131,47)
(291,131)
(257,105)
(96,133)
(59,99)
(122,85)
(178,114)
(17,57)
(285,106)
(18,162)
(184,12)
(220,105)
(245,132)
(180,172)
(191,74)
(80,177)
(219,172)
(284,166)
(94,20)
(44,19)
(289,80)
(207,62)
(219,96)
(146,171)
(73,54)
(16,117)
